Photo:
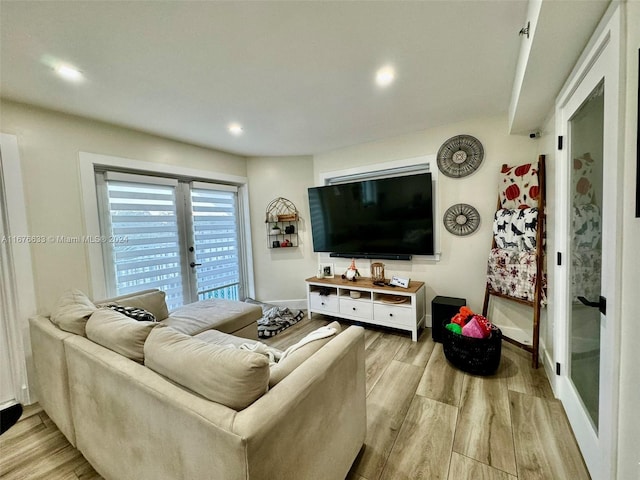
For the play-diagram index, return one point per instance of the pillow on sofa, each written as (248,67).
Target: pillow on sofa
(72,312)
(235,378)
(138,314)
(294,359)
(152,301)
(119,333)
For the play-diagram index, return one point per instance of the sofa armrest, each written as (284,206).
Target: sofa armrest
(313,423)
(50,367)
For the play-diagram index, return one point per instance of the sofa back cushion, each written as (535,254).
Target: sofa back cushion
(119,333)
(293,360)
(72,312)
(232,377)
(152,301)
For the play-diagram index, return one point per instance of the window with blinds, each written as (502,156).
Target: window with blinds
(146,244)
(178,236)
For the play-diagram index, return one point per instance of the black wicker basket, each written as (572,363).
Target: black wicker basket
(478,356)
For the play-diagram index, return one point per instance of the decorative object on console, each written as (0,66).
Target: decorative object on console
(326,269)
(460,156)
(400,282)
(377,272)
(461,219)
(352,272)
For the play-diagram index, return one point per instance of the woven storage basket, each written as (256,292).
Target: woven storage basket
(478,356)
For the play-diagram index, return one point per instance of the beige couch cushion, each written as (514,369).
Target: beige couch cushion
(287,365)
(150,300)
(228,316)
(214,337)
(72,312)
(232,377)
(119,333)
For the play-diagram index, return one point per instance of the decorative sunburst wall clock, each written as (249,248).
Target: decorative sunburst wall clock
(460,156)
(461,219)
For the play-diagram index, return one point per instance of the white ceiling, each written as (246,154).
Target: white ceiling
(297,75)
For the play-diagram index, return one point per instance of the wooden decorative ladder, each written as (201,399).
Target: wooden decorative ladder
(536,302)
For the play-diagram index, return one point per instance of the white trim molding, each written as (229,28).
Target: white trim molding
(19,290)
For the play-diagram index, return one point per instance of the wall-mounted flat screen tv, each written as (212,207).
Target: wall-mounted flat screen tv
(374,218)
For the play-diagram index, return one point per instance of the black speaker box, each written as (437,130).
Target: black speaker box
(442,310)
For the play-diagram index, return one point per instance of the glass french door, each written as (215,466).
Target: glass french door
(181,237)
(588,305)
(588,203)
(214,256)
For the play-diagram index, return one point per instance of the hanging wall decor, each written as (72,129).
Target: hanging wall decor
(461,219)
(460,156)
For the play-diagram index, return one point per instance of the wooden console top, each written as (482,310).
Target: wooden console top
(364,283)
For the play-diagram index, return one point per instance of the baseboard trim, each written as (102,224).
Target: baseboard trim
(297,304)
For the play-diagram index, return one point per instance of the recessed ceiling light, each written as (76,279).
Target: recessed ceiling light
(235,128)
(385,76)
(69,73)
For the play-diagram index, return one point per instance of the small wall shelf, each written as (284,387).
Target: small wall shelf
(281,223)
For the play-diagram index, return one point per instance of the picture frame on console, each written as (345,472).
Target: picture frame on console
(325,270)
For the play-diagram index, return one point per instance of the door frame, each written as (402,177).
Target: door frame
(21,298)
(600,59)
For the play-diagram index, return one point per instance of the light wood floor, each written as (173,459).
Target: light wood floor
(425,420)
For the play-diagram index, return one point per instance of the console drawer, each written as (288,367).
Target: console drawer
(356,308)
(323,303)
(394,315)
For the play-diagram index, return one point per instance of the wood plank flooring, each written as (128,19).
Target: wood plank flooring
(426,420)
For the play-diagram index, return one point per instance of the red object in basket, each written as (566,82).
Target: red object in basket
(484,325)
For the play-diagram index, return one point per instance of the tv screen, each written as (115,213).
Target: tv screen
(388,216)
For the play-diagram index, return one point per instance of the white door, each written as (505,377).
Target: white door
(586,304)
(7,388)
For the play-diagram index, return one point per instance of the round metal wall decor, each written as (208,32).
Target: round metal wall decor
(460,156)
(461,219)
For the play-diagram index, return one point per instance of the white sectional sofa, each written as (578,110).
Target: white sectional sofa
(183,399)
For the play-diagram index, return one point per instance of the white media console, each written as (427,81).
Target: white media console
(395,307)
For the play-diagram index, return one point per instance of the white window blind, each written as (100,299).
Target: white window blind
(146,243)
(215,232)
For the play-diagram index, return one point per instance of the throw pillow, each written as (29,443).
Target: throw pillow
(139,314)
(232,377)
(72,312)
(151,301)
(119,333)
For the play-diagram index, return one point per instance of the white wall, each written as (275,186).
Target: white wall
(49,144)
(629,418)
(280,272)
(461,272)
